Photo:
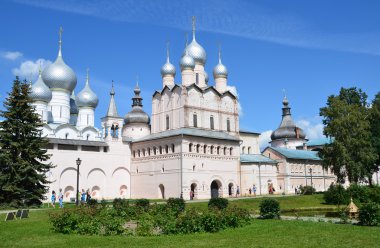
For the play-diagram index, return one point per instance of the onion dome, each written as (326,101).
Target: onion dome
(187,62)
(206,77)
(59,75)
(86,97)
(137,114)
(196,51)
(287,128)
(168,68)
(220,70)
(73,105)
(39,90)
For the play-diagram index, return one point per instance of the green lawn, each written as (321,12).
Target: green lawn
(36,232)
(287,203)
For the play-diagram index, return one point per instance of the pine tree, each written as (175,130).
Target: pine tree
(375,126)
(23,151)
(347,118)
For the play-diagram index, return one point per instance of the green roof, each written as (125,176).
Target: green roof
(297,154)
(256,158)
(320,141)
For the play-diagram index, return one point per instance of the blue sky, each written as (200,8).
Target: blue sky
(309,48)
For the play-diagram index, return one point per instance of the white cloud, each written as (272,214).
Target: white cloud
(29,69)
(12,55)
(233,90)
(264,139)
(313,130)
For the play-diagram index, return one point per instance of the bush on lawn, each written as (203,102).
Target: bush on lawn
(218,203)
(307,190)
(269,208)
(337,195)
(177,205)
(369,214)
(360,194)
(92,203)
(143,204)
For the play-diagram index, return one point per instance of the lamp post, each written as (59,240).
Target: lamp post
(79,161)
(311,176)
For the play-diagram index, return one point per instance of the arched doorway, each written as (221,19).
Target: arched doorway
(230,189)
(215,188)
(95,192)
(123,191)
(161,191)
(193,191)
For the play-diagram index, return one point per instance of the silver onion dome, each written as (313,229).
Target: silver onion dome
(196,51)
(187,62)
(287,128)
(168,68)
(86,97)
(206,77)
(73,105)
(59,75)
(137,114)
(220,70)
(39,91)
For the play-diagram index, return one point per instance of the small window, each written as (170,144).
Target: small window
(166,149)
(193,167)
(205,149)
(195,120)
(212,149)
(154,150)
(66,135)
(160,149)
(243,150)
(231,151)
(198,148)
(190,147)
(224,150)
(149,151)
(167,122)
(173,148)
(197,78)
(228,125)
(212,122)
(134,154)
(249,150)
(218,150)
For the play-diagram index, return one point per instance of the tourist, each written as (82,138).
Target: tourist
(88,196)
(60,198)
(295,190)
(83,197)
(237,191)
(250,191)
(53,198)
(191,195)
(254,190)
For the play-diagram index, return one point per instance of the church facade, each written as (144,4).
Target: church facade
(191,145)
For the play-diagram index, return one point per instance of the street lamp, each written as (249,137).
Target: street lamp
(78,163)
(311,176)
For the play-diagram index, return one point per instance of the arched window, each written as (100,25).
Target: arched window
(167,122)
(88,136)
(198,146)
(138,153)
(148,151)
(218,150)
(205,149)
(197,78)
(143,152)
(134,154)
(212,122)
(160,149)
(224,150)
(212,150)
(243,150)
(173,148)
(166,149)
(66,135)
(154,150)
(230,150)
(195,120)
(228,125)
(190,147)
(249,150)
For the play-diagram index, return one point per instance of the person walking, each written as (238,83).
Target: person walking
(60,198)
(237,191)
(88,196)
(53,198)
(83,198)
(250,191)
(254,190)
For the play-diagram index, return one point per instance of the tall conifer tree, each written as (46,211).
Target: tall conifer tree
(23,151)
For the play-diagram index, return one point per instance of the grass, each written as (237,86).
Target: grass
(36,232)
(287,203)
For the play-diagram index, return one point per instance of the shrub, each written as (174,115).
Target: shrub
(120,204)
(235,217)
(177,205)
(374,193)
(218,203)
(269,208)
(92,203)
(369,214)
(359,193)
(211,221)
(307,190)
(142,203)
(189,221)
(145,225)
(336,194)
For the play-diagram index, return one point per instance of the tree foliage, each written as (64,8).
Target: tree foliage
(347,118)
(375,125)
(23,151)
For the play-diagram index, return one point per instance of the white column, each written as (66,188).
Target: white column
(60,106)
(221,84)
(85,117)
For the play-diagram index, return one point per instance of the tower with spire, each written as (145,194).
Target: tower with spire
(112,123)
(287,135)
(61,80)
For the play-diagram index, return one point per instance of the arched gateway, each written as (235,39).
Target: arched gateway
(216,187)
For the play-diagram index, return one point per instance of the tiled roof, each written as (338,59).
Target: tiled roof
(256,158)
(190,132)
(297,154)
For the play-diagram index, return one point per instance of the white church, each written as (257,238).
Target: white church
(191,144)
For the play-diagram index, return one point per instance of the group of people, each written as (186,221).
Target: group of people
(253,189)
(54,198)
(84,197)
